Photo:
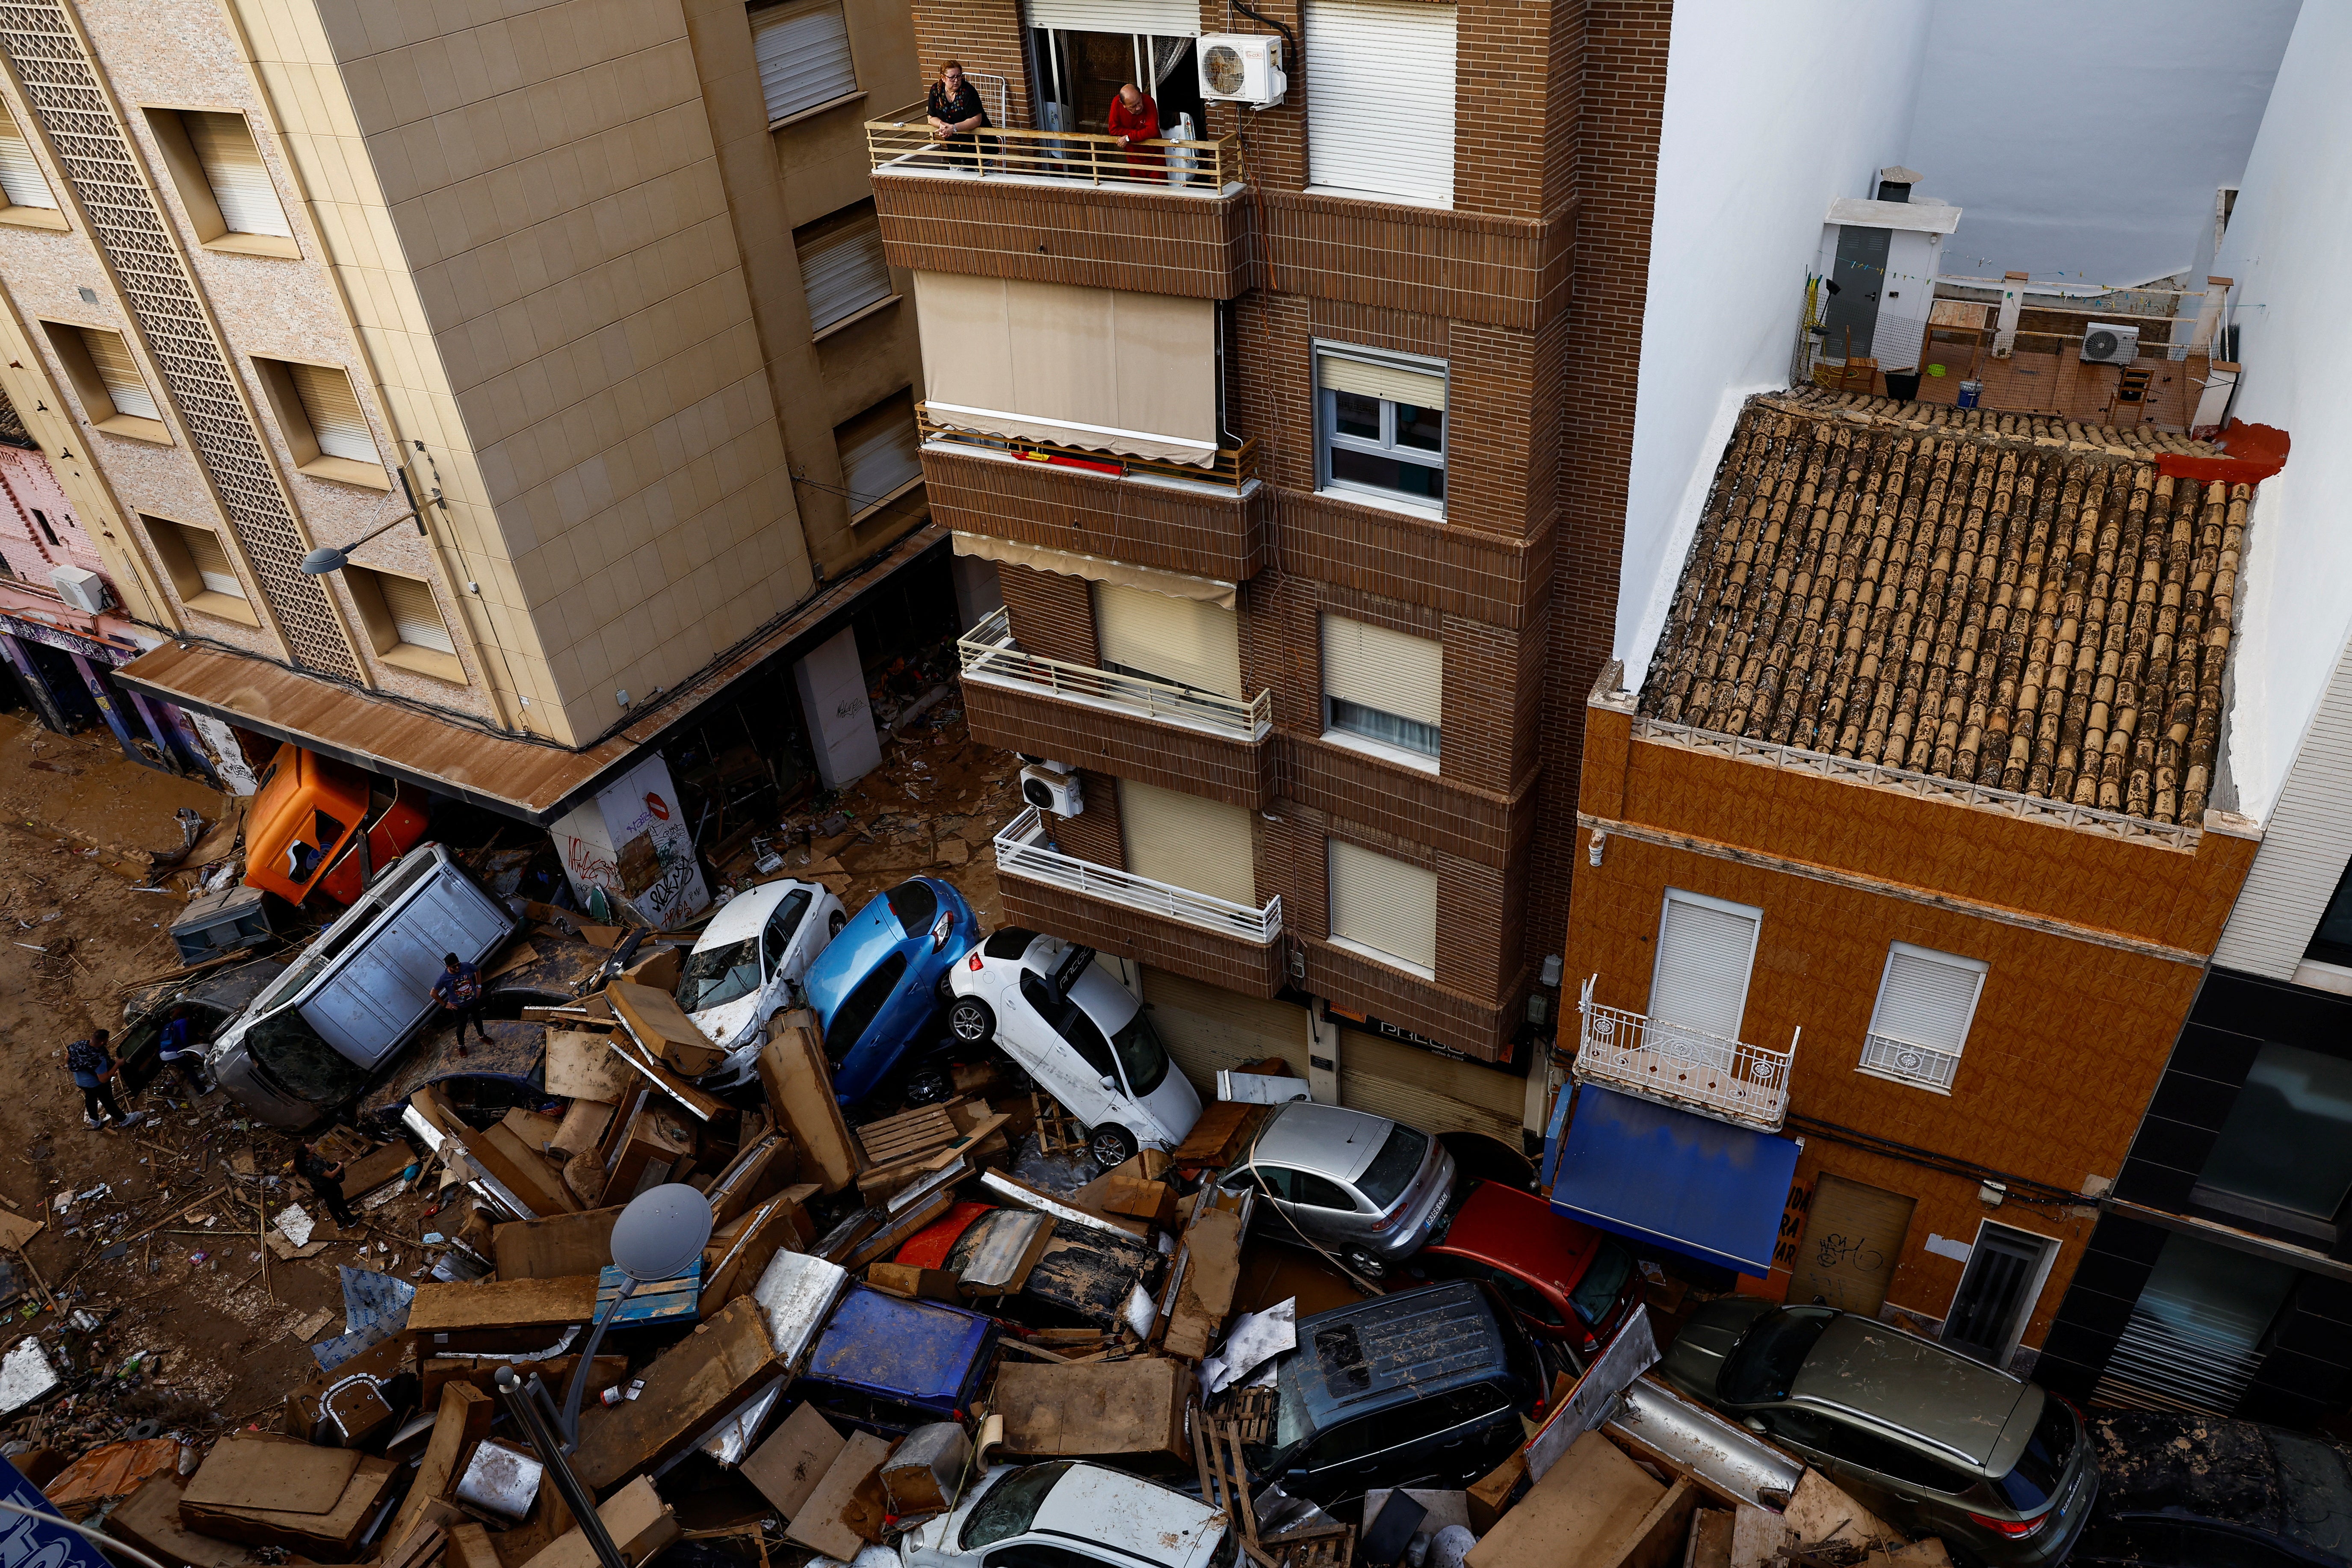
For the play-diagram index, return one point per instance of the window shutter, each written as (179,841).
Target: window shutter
(1188,842)
(1383,903)
(334,408)
(1392,671)
(211,558)
(20,174)
(1927,998)
(1379,98)
(803,59)
(233,165)
(415,619)
(1422,389)
(843,271)
(880,451)
(1161,19)
(118,373)
(1705,950)
(1188,641)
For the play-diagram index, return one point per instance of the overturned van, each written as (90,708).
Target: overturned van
(359,993)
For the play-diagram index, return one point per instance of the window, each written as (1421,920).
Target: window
(1380,424)
(1383,686)
(778,936)
(2286,1144)
(1380,100)
(1396,1164)
(198,565)
(1184,841)
(841,267)
(1011,1506)
(804,57)
(2332,941)
(1191,643)
(1925,1001)
(404,623)
(216,166)
(114,393)
(1384,907)
(29,199)
(326,430)
(1320,1192)
(1068,1020)
(47,532)
(881,455)
(1705,947)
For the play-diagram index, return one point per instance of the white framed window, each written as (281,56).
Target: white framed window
(1382,687)
(1919,1025)
(803,52)
(881,454)
(21,180)
(1380,425)
(1380,100)
(842,270)
(1706,949)
(1384,907)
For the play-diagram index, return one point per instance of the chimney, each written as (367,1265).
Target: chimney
(1895,184)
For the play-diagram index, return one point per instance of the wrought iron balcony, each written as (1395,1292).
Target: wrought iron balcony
(1021,851)
(987,653)
(1730,1081)
(902,143)
(1924,1065)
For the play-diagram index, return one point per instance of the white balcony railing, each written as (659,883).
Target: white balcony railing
(1923,1065)
(986,652)
(1729,1079)
(1021,851)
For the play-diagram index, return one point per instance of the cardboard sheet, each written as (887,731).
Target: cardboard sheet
(789,1465)
(287,1477)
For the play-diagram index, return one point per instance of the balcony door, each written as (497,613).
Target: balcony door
(1189,642)
(1184,841)
(1706,949)
(1087,51)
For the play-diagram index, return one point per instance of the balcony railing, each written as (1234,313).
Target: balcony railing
(987,653)
(1923,1065)
(1729,1079)
(1235,466)
(902,143)
(1021,851)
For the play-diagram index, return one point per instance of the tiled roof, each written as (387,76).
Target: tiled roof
(2008,602)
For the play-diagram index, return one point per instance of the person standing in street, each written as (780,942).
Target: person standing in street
(92,1066)
(326,1179)
(180,1048)
(460,991)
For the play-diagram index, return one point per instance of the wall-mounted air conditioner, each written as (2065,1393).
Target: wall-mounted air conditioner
(1242,67)
(1058,793)
(2106,342)
(85,591)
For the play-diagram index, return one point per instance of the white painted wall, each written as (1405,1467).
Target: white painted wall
(2085,139)
(1770,111)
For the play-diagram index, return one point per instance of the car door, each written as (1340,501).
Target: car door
(1319,1207)
(1082,1061)
(777,947)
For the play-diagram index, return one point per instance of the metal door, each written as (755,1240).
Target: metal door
(1997,1292)
(1853,1238)
(1859,274)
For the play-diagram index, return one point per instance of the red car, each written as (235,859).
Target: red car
(1571,1284)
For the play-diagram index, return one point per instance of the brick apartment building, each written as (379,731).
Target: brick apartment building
(1332,411)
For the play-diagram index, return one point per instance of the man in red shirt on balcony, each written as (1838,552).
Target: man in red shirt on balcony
(1135,120)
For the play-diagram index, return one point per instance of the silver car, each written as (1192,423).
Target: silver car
(1362,1187)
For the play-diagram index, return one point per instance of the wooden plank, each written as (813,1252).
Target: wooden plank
(690,1386)
(581,1066)
(328,1537)
(564,1247)
(788,1467)
(1654,1541)
(656,1300)
(732,1266)
(764,1164)
(149,1521)
(463,1421)
(660,1026)
(243,1472)
(640,1523)
(907,1135)
(799,1085)
(498,1314)
(835,1518)
(1591,1496)
(1131,1410)
(640,1059)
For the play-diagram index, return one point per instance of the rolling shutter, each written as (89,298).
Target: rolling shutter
(1209,1029)
(1160,18)
(1188,641)
(1380,99)
(844,270)
(1420,388)
(415,619)
(118,373)
(1392,671)
(1384,904)
(212,563)
(1188,842)
(240,181)
(20,174)
(803,59)
(1927,998)
(1407,1084)
(881,452)
(334,409)
(1705,950)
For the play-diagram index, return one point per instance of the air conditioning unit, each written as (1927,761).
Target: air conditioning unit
(2106,342)
(1242,67)
(85,591)
(1058,793)
(1048,764)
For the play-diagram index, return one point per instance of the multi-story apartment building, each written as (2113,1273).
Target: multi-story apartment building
(598,288)
(1296,445)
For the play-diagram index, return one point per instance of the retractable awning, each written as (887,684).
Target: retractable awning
(1687,1182)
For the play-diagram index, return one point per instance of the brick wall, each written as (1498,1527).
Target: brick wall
(1093,835)
(985,34)
(1052,613)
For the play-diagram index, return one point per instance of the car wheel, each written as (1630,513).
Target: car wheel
(1111,1146)
(1360,1261)
(972,1021)
(835,922)
(932,1086)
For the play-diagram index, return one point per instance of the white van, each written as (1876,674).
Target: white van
(358,992)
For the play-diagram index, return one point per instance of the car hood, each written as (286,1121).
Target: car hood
(1694,1360)
(726,1025)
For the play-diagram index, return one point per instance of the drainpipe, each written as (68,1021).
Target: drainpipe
(2013,298)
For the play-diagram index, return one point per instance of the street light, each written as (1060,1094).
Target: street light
(335,557)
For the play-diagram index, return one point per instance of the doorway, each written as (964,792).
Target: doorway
(1998,1290)
(1853,1238)
(1084,71)
(1856,280)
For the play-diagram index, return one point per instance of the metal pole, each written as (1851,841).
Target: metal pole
(524,1404)
(571,1422)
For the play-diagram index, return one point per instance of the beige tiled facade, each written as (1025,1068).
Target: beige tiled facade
(552,244)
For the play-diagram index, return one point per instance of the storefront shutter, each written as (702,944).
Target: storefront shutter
(1160,18)
(1188,842)
(1392,671)
(1420,388)
(118,373)
(1705,950)
(240,181)
(334,412)
(20,174)
(1187,641)
(1436,1094)
(803,59)
(1380,99)
(415,619)
(1384,904)
(843,271)
(1209,1029)
(212,563)
(1854,1239)
(1927,998)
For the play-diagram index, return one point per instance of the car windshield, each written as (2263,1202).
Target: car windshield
(1596,1292)
(1764,1363)
(2034,1480)
(1140,1055)
(915,905)
(1010,1505)
(718,976)
(291,1052)
(1292,1423)
(1384,1180)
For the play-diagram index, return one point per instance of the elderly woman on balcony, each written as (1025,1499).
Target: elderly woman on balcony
(1135,120)
(955,111)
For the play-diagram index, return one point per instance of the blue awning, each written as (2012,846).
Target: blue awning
(1691,1184)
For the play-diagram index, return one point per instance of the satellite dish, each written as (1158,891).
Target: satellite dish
(661,1232)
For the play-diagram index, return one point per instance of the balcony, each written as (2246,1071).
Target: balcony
(1166,927)
(1730,1081)
(1923,1066)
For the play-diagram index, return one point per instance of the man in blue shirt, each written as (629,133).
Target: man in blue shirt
(92,1065)
(460,991)
(180,1048)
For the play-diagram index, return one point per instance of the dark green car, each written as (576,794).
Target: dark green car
(1931,1441)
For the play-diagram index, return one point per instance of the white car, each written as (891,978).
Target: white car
(749,962)
(1078,1033)
(1066,1514)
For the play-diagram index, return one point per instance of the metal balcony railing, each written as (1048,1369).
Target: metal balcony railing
(1923,1065)
(901,142)
(1021,851)
(987,653)
(1235,466)
(1728,1079)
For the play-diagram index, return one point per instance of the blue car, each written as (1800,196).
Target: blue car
(875,987)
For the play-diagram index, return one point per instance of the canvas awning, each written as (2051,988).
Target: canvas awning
(1095,569)
(1677,1180)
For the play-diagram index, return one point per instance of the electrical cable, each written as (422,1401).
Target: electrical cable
(2024,1189)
